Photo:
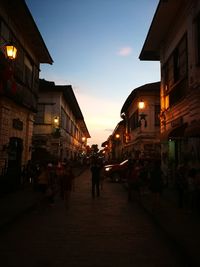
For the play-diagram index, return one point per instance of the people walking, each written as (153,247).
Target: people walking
(143,176)
(96,173)
(133,179)
(43,179)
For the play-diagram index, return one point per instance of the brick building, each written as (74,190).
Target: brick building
(19,81)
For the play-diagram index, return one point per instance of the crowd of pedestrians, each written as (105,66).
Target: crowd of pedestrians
(142,177)
(187,183)
(51,178)
(147,176)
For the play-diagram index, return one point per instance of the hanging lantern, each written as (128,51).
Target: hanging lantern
(141,104)
(11,51)
(117,136)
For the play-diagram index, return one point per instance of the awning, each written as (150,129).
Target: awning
(193,130)
(176,133)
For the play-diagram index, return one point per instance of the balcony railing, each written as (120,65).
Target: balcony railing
(19,94)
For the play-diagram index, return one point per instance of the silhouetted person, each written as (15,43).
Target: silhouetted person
(96,173)
(133,179)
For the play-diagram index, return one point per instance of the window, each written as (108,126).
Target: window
(76,132)
(39,117)
(28,75)
(19,63)
(68,124)
(35,79)
(72,129)
(134,121)
(63,119)
(5,35)
(174,73)
(198,38)
(157,113)
(176,64)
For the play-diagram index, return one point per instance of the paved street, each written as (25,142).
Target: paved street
(105,231)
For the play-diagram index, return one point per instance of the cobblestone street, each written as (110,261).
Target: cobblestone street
(105,231)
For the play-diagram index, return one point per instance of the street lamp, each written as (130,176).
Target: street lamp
(56,129)
(83,139)
(117,136)
(141,104)
(56,121)
(11,51)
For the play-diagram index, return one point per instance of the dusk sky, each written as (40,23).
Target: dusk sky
(95,46)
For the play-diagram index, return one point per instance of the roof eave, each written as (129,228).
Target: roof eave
(162,22)
(137,92)
(22,18)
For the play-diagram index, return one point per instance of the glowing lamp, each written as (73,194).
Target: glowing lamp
(141,104)
(11,51)
(117,136)
(56,121)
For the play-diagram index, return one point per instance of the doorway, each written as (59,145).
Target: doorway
(15,150)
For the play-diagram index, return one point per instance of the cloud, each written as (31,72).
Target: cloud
(125,51)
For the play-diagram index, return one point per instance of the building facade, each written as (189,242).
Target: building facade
(140,113)
(59,131)
(116,142)
(177,48)
(19,80)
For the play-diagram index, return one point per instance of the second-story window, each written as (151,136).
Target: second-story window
(133,122)
(40,115)
(35,79)
(19,64)
(28,73)
(68,123)
(176,65)
(157,113)
(72,129)
(63,119)
(198,39)
(76,132)
(174,72)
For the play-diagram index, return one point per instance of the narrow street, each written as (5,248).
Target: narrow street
(106,231)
